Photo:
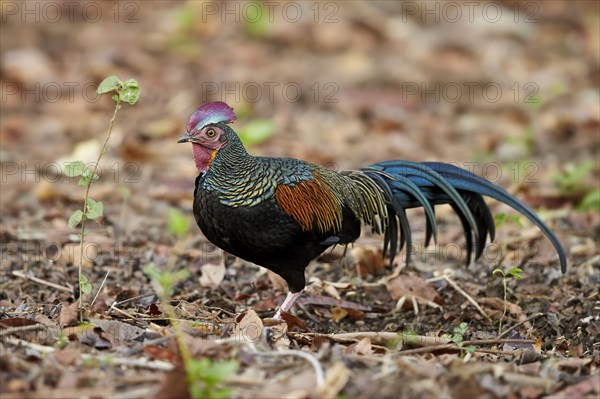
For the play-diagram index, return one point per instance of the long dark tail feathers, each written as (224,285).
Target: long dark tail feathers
(410,184)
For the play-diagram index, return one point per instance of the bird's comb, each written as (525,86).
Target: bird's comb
(208,113)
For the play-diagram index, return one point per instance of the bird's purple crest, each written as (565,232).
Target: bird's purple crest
(208,113)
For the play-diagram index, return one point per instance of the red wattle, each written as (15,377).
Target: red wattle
(202,156)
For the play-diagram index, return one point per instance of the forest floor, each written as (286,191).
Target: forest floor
(363,328)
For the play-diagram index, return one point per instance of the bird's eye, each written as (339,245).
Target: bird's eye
(210,133)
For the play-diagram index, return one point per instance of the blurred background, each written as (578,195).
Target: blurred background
(508,89)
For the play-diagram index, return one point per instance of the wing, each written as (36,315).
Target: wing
(312,203)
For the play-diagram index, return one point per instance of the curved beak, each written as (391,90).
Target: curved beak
(185,138)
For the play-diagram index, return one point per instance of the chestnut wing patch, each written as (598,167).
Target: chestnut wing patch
(311,202)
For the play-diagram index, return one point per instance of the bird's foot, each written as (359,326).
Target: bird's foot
(289,302)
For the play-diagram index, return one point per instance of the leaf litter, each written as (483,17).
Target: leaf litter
(347,337)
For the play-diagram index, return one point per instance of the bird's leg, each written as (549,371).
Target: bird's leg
(290,300)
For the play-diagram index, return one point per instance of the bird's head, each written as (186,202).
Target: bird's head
(207,131)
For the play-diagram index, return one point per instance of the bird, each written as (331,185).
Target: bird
(282,213)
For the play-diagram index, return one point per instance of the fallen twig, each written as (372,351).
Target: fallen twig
(291,352)
(406,338)
(535,316)
(40,281)
(114,307)
(120,361)
(100,289)
(462,292)
(15,330)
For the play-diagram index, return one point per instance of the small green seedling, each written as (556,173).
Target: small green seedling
(124,91)
(61,341)
(177,222)
(501,219)
(514,272)
(571,177)
(458,337)
(205,377)
(591,201)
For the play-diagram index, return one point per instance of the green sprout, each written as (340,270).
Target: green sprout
(127,92)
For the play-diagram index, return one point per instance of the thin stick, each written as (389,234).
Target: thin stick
(101,285)
(535,316)
(499,341)
(120,361)
(15,330)
(304,355)
(406,338)
(135,297)
(121,311)
(427,349)
(40,281)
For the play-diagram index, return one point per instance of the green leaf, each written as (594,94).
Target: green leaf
(75,168)
(572,175)
(458,333)
(516,272)
(152,271)
(111,83)
(177,222)
(88,173)
(75,218)
(501,218)
(591,201)
(166,280)
(256,131)
(95,209)
(130,93)
(207,376)
(86,177)
(85,285)
(115,98)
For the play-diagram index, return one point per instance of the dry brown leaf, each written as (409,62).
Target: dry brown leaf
(160,353)
(250,328)
(212,275)
(368,260)
(498,304)
(405,285)
(277,281)
(16,322)
(331,291)
(338,313)
(68,314)
(538,345)
(362,347)
(67,356)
